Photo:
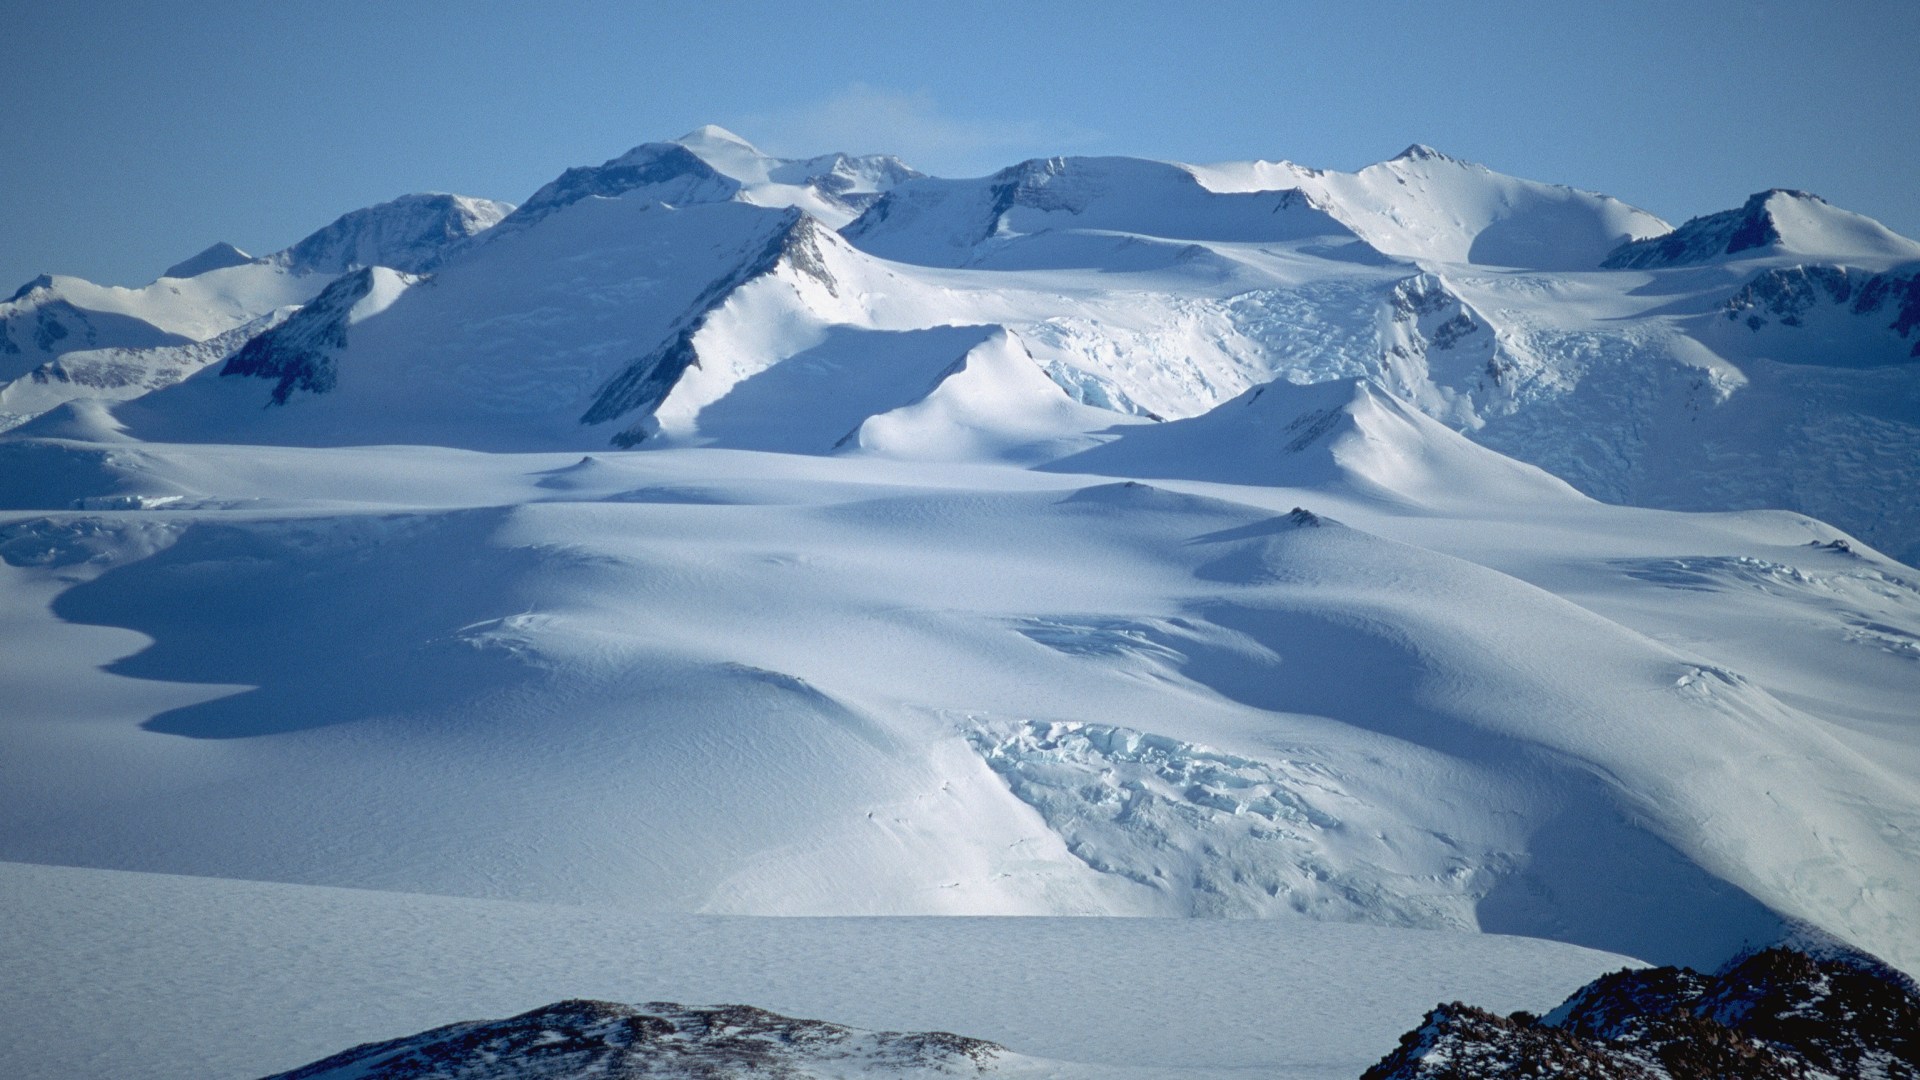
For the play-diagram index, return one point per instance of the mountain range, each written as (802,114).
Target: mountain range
(1753,358)
(1447,572)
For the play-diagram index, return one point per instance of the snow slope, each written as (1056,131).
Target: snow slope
(870,686)
(1350,436)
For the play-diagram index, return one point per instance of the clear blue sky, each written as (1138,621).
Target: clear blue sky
(132,134)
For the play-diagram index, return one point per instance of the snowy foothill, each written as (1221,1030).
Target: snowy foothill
(1182,619)
(690,681)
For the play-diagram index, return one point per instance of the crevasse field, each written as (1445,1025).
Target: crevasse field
(1090,608)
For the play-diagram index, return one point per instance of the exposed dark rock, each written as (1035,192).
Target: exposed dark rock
(1788,295)
(1776,1014)
(606,1041)
(299,353)
(1708,237)
(675,173)
(44,281)
(1460,1042)
(643,384)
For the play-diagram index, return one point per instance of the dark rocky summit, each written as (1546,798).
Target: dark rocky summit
(606,1041)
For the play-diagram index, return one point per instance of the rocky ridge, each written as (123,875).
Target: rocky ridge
(1776,1014)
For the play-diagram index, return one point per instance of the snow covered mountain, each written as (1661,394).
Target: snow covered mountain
(1777,222)
(217,256)
(712,164)
(411,234)
(65,339)
(1736,376)
(1349,435)
(724,535)
(1426,206)
(998,221)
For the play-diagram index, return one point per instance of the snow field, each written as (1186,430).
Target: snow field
(154,977)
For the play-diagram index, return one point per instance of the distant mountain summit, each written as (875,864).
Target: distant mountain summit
(1426,205)
(216,257)
(412,233)
(1775,222)
(1017,217)
(711,164)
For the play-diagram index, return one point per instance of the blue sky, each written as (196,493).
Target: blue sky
(134,134)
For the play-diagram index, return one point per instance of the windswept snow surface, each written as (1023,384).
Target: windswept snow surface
(724,681)
(117,975)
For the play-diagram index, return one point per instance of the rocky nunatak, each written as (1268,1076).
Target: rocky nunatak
(609,1041)
(1777,1013)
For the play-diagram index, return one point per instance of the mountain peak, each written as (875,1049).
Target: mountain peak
(1422,152)
(410,233)
(216,257)
(1771,222)
(44,281)
(713,136)
(1761,198)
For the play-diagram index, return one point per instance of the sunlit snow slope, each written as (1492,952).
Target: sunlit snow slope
(727,681)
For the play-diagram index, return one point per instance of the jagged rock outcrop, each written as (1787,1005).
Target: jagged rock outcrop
(1776,1014)
(1795,295)
(299,353)
(606,1041)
